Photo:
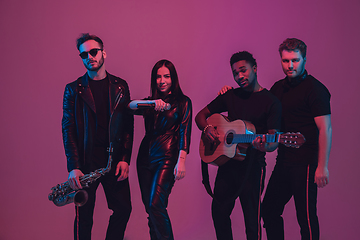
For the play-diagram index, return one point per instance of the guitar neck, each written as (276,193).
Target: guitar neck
(248,138)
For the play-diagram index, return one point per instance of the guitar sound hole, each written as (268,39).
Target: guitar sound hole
(229,138)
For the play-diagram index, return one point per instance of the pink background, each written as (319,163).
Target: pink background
(38,57)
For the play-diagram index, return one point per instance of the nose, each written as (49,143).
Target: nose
(291,65)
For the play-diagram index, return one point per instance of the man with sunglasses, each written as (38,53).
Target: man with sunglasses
(96,123)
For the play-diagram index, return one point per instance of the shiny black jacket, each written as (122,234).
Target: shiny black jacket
(79,121)
(166,132)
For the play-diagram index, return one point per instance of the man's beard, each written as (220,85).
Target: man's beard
(95,69)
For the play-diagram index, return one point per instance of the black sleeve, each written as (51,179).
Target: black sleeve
(128,128)
(185,126)
(69,132)
(274,115)
(218,105)
(319,100)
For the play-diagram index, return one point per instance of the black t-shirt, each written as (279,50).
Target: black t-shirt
(261,108)
(301,102)
(100,92)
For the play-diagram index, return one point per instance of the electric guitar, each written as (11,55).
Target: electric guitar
(235,137)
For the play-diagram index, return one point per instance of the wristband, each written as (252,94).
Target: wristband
(207,126)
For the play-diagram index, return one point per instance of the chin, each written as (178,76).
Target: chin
(291,75)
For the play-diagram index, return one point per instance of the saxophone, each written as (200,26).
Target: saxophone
(63,194)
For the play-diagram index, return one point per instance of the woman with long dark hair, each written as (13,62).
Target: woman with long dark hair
(163,150)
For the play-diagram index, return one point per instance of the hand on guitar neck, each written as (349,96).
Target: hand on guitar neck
(262,145)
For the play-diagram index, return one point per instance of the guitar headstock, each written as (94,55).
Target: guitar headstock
(292,139)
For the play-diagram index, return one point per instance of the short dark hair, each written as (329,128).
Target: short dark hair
(244,55)
(85,37)
(293,44)
(175,86)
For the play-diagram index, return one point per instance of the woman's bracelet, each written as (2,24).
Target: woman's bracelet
(207,126)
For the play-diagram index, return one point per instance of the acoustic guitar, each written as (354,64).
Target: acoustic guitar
(235,137)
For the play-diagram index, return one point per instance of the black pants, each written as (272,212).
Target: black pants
(118,200)
(229,179)
(284,183)
(156,181)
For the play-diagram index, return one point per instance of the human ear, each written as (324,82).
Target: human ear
(254,68)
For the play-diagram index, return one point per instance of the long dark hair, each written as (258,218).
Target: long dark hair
(175,86)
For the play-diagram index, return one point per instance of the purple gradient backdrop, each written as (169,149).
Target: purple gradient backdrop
(39,57)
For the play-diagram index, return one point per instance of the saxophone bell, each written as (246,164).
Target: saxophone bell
(79,198)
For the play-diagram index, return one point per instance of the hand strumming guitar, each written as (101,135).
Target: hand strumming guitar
(211,133)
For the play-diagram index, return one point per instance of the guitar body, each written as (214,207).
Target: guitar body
(218,153)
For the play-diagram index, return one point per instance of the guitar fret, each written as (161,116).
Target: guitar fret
(270,137)
(248,138)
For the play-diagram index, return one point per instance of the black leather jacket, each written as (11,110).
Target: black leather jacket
(79,121)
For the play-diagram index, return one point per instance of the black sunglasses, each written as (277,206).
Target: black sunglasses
(93,52)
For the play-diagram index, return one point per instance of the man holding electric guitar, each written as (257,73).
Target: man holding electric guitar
(240,173)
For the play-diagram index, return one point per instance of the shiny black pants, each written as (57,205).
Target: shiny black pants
(118,200)
(156,181)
